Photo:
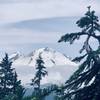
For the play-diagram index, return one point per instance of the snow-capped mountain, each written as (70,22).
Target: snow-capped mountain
(59,67)
(49,56)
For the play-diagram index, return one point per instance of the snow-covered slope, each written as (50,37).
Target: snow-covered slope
(49,56)
(59,67)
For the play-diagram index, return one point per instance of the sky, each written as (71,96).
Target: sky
(26,25)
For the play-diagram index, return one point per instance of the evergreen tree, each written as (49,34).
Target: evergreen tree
(18,89)
(9,83)
(84,84)
(6,76)
(41,72)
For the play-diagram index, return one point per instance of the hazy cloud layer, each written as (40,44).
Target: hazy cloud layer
(43,30)
(24,10)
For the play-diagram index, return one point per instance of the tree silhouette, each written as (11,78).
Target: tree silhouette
(9,84)
(41,72)
(6,76)
(84,84)
(18,89)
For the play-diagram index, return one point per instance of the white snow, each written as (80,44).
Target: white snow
(49,56)
(59,67)
(92,80)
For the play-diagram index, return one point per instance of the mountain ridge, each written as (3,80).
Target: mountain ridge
(58,66)
(49,55)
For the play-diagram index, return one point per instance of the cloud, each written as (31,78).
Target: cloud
(12,40)
(12,12)
(18,36)
(15,1)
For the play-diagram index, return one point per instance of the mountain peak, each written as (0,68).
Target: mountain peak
(15,56)
(49,56)
(59,66)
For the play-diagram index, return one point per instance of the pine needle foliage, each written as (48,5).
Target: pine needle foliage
(84,84)
(10,86)
(40,73)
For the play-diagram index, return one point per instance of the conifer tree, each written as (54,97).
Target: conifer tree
(9,84)
(40,73)
(84,84)
(6,76)
(18,89)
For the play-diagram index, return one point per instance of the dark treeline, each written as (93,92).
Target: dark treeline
(10,86)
